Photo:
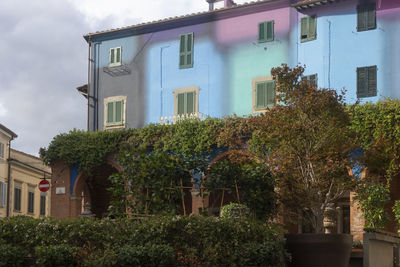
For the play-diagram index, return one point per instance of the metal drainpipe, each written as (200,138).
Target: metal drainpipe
(88,85)
(9,177)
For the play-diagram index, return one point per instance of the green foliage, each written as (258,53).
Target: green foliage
(11,255)
(56,255)
(372,200)
(378,128)
(158,241)
(234,210)
(252,179)
(309,145)
(86,149)
(396,211)
(150,183)
(149,255)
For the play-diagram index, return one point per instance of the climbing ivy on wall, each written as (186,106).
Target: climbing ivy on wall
(378,128)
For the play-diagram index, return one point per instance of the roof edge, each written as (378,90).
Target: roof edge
(8,131)
(207,16)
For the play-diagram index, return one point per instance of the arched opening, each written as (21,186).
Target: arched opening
(92,189)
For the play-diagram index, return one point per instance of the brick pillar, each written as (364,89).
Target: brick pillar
(356,219)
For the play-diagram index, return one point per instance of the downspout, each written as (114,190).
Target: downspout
(9,177)
(88,84)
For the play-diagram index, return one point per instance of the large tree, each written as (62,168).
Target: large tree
(308,145)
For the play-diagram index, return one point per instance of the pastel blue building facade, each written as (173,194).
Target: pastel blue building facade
(218,63)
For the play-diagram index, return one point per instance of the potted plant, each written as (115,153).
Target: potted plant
(308,146)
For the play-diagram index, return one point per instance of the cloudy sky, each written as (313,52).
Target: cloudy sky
(44,58)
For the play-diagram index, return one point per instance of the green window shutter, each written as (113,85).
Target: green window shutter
(362,84)
(182,51)
(361,18)
(371,16)
(372,81)
(112,55)
(304,28)
(190,102)
(189,51)
(270,94)
(270,31)
(261,32)
(181,103)
(118,111)
(260,95)
(312,28)
(186,51)
(118,56)
(110,112)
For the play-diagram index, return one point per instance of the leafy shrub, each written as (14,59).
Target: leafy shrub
(372,200)
(56,255)
(396,211)
(234,210)
(149,255)
(11,255)
(156,241)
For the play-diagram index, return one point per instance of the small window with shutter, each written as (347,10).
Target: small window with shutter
(266,31)
(114,112)
(3,194)
(366,17)
(115,56)
(366,81)
(186,51)
(308,29)
(186,101)
(265,95)
(2,147)
(313,79)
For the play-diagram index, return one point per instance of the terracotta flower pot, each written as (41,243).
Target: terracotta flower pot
(319,250)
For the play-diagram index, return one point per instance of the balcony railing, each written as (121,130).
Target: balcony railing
(171,119)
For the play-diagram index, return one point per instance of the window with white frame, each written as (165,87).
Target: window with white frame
(186,101)
(3,194)
(115,56)
(114,112)
(308,28)
(312,79)
(264,94)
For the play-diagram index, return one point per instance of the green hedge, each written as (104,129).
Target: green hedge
(158,241)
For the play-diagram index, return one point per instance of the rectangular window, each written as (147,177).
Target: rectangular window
(17,198)
(2,150)
(42,205)
(266,31)
(115,112)
(3,194)
(366,17)
(265,95)
(308,28)
(115,56)
(186,51)
(31,201)
(186,103)
(366,81)
(313,79)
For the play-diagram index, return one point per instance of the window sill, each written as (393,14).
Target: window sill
(114,65)
(111,127)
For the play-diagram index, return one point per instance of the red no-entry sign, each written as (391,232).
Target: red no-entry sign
(44,185)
